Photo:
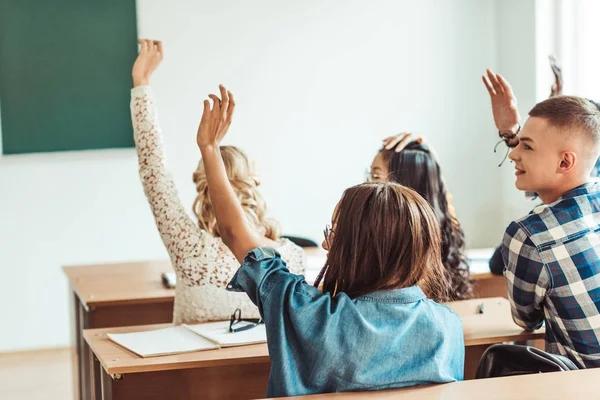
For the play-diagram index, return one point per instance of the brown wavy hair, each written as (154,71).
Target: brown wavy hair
(416,168)
(245,185)
(385,236)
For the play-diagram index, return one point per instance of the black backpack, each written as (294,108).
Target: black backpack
(511,359)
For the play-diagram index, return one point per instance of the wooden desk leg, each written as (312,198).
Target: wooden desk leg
(107,382)
(96,378)
(472,356)
(84,356)
(76,339)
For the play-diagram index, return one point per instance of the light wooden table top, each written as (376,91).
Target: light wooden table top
(548,386)
(493,326)
(117,360)
(122,283)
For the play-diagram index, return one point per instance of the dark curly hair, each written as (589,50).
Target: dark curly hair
(416,168)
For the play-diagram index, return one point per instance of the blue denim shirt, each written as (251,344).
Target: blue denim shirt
(319,344)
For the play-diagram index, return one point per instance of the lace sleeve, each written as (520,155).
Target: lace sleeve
(180,235)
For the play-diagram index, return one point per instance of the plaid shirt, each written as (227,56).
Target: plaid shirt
(552,259)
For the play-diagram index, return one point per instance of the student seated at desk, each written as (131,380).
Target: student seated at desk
(407,161)
(373,326)
(496,263)
(552,255)
(202,262)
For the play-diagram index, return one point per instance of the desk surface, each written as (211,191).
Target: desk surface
(493,326)
(140,282)
(122,283)
(548,386)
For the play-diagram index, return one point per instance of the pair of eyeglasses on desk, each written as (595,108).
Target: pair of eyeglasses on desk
(236,318)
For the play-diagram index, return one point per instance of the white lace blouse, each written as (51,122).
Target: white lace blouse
(204,265)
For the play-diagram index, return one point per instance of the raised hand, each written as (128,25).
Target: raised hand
(504,103)
(398,142)
(216,121)
(557,86)
(150,56)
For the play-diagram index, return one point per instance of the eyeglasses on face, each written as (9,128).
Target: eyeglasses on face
(327,233)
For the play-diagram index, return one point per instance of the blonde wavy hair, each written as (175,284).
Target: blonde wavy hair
(245,185)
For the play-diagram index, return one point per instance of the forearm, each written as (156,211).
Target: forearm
(233,226)
(172,221)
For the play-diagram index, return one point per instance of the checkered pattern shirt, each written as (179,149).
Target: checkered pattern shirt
(552,267)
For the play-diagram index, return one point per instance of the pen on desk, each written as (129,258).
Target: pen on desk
(480,310)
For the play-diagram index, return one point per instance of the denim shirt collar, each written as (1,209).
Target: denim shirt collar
(406,295)
(410,294)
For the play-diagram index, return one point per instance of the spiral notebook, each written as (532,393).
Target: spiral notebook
(187,338)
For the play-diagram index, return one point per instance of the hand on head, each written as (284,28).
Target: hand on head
(216,120)
(400,141)
(504,103)
(150,56)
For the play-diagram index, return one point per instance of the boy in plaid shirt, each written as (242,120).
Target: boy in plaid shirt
(552,255)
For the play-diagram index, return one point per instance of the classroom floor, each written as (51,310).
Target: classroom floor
(36,375)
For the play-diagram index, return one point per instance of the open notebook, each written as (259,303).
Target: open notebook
(187,338)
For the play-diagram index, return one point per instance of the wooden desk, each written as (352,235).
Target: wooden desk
(126,294)
(242,372)
(548,386)
(233,373)
(489,285)
(110,295)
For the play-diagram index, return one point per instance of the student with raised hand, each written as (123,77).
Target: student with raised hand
(552,255)
(496,263)
(406,160)
(202,262)
(372,327)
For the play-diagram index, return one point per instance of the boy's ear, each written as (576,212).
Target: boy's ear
(567,162)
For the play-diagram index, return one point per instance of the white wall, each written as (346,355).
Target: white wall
(318,85)
(519,63)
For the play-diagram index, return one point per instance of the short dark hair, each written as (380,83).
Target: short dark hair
(385,236)
(570,112)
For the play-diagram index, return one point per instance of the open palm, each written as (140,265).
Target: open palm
(150,56)
(504,102)
(215,122)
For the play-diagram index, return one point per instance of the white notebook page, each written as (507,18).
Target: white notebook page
(219,333)
(160,342)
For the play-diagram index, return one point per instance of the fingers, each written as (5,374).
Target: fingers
(205,112)
(388,139)
(405,141)
(216,103)
(231,107)
(144,45)
(488,85)
(151,46)
(494,81)
(505,85)
(392,141)
(225,100)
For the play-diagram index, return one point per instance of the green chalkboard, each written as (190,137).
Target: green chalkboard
(65,74)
